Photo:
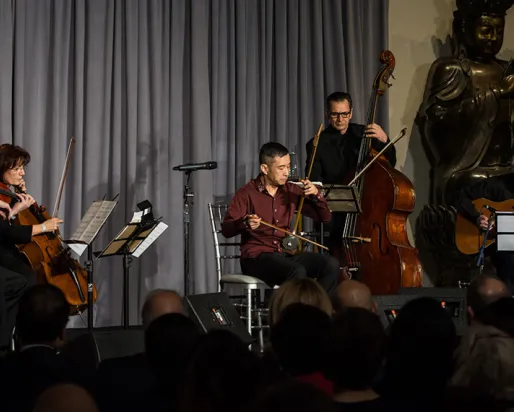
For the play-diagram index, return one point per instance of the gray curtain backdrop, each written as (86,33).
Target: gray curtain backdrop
(147,85)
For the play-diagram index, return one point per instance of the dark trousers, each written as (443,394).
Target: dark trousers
(276,268)
(12,286)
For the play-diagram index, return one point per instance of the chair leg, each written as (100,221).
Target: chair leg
(261,333)
(249,310)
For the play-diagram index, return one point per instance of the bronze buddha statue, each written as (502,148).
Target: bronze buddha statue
(466,121)
(467,114)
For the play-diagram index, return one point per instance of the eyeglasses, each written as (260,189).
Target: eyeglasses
(335,115)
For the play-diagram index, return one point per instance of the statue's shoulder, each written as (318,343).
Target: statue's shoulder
(448,77)
(449,67)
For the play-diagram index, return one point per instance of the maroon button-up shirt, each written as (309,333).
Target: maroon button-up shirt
(253,198)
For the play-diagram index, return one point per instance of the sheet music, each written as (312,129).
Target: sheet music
(119,240)
(93,221)
(152,237)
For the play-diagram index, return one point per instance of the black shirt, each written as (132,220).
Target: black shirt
(495,189)
(337,154)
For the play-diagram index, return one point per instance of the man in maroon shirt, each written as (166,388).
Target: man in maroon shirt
(272,199)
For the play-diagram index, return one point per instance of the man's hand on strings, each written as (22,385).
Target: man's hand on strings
(252,221)
(483,222)
(309,188)
(375,131)
(4,207)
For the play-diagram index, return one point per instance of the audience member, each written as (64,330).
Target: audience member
(354,294)
(293,395)
(223,376)
(499,314)
(122,381)
(355,352)
(482,291)
(484,368)
(161,302)
(303,290)
(65,398)
(419,356)
(299,339)
(169,343)
(40,324)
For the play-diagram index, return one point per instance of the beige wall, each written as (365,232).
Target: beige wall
(418,34)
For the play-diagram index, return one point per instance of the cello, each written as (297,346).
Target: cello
(384,259)
(47,254)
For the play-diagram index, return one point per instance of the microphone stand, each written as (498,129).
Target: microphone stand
(188,202)
(480,260)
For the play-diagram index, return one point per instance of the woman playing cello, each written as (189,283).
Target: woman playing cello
(15,272)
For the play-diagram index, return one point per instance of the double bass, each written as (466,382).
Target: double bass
(47,254)
(384,259)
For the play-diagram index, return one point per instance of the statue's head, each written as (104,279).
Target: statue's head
(479,26)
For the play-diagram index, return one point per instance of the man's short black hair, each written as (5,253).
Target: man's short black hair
(42,314)
(339,97)
(271,150)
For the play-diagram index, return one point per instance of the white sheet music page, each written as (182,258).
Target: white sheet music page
(152,237)
(93,221)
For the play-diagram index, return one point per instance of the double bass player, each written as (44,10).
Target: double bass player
(337,153)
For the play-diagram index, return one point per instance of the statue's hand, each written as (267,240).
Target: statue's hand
(507,86)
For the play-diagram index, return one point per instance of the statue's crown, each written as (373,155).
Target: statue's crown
(480,7)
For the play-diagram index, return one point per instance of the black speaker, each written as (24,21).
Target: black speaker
(90,348)
(452,299)
(216,311)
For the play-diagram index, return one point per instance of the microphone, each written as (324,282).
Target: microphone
(492,209)
(191,167)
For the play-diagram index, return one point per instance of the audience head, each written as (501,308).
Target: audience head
(169,343)
(303,290)
(499,314)
(42,316)
(160,302)
(293,395)
(223,375)
(420,353)
(354,294)
(299,339)
(485,364)
(484,290)
(63,398)
(356,350)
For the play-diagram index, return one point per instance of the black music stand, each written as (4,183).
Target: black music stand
(132,241)
(342,198)
(89,227)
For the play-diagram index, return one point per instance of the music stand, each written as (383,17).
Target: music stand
(341,198)
(132,241)
(89,227)
(505,231)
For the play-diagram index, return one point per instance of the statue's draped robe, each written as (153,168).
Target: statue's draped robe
(466,125)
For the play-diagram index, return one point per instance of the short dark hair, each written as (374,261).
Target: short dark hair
(356,349)
(42,314)
(169,343)
(339,97)
(299,337)
(475,296)
(12,156)
(271,150)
